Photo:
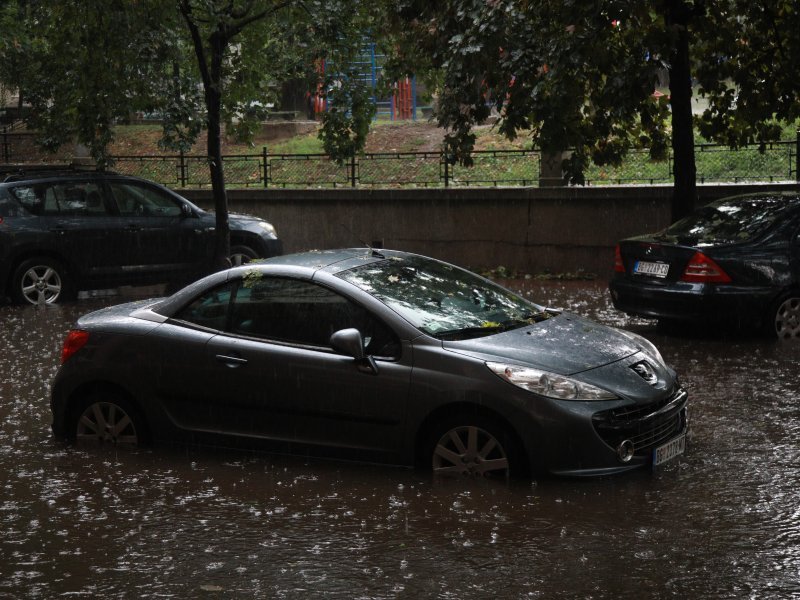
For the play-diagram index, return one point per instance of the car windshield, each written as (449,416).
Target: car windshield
(442,300)
(728,221)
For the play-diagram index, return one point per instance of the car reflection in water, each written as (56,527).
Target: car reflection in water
(379,356)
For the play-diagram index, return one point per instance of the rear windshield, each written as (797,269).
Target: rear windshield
(730,220)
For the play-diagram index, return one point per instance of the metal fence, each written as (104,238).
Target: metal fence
(777,162)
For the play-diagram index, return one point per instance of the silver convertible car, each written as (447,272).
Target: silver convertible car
(381,356)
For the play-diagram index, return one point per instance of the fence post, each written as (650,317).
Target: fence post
(6,155)
(446,169)
(264,165)
(797,156)
(353,170)
(182,170)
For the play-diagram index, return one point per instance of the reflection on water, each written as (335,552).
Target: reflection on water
(722,523)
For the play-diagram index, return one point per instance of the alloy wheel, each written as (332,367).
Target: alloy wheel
(787,318)
(471,452)
(106,422)
(41,284)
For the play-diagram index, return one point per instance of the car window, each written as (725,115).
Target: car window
(287,310)
(62,198)
(211,309)
(8,208)
(729,221)
(135,199)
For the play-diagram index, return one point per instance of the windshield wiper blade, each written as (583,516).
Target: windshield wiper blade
(468,332)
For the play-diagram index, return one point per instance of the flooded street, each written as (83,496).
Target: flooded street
(722,522)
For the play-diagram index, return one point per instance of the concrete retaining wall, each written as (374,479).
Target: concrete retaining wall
(527,230)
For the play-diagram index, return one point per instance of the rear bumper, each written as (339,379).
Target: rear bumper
(691,301)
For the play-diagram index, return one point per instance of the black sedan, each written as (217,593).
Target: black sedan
(380,356)
(735,261)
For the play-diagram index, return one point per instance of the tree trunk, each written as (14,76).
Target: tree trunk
(222,245)
(212,89)
(213,98)
(680,87)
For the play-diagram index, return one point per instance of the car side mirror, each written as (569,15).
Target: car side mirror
(350,343)
(186,210)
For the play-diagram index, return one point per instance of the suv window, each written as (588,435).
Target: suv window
(62,198)
(134,199)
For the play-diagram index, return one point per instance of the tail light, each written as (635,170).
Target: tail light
(701,269)
(619,266)
(76,339)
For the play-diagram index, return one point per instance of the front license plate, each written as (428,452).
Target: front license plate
(672,449)
(651,268)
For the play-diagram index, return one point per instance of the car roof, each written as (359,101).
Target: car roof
(333,261)
(790,198)
(301,264)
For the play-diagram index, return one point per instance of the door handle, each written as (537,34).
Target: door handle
(231,361)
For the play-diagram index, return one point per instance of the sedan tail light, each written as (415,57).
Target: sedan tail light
(76,339)
(619,266)
(701,269)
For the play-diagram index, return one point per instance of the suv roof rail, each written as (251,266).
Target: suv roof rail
(24,172)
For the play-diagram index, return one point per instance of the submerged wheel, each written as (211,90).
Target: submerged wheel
(786,321)
(106,418)
(40,281)
(241,255)
(473,446)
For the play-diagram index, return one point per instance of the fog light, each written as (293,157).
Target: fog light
(625,451)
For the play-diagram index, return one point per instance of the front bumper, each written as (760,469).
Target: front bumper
(584,441)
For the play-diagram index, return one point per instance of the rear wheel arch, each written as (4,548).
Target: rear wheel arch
(441,420)
(105,392)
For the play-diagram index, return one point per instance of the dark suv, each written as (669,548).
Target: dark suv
(63,232)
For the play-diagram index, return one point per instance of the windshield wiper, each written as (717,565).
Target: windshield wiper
(467,333)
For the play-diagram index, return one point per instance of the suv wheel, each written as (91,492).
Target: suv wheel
(241,255)
(40,280)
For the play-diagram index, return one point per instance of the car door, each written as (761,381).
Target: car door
(158,234)
(74,216)
(273,374)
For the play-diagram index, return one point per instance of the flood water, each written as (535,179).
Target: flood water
(723,522)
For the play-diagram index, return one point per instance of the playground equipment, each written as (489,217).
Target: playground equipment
(368,68)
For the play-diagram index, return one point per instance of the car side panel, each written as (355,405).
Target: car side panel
(281,393)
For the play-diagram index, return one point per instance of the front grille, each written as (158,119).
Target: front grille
(647,426)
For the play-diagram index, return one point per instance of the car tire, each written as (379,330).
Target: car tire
(40,280)
(784,319)
(473,445)
(107,417)
(241,255)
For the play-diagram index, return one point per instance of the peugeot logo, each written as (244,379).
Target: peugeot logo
(644,370)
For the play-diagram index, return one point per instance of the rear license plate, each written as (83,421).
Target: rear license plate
(651,268)
(672,449)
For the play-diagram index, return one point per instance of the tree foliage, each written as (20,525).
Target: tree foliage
(581,75)
(85,65)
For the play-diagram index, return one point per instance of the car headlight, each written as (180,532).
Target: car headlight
(268,227)
(547,384)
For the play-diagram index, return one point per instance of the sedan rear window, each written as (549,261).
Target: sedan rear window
(730,220)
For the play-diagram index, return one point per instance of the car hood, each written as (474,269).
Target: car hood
(566,344)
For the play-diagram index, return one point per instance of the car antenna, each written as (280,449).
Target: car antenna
(371,248)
